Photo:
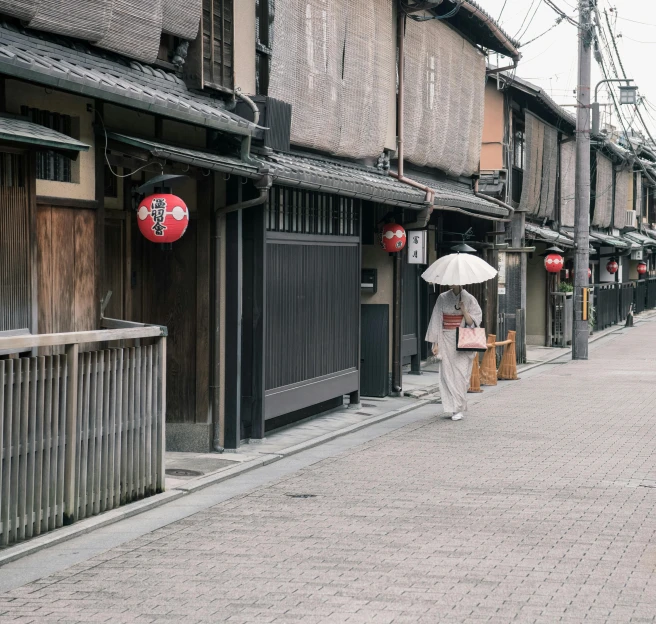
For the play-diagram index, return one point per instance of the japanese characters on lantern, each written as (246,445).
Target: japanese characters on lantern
(162,218)
(393,237)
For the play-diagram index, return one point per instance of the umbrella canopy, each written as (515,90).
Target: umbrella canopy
(459,269)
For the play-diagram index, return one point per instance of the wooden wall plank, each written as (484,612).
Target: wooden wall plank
(63,270)
(86,313)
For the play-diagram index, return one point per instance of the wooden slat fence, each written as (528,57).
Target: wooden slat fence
(80,433)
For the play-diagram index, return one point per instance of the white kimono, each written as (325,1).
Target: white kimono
(456,366)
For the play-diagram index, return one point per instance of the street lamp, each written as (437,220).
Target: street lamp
(628,95)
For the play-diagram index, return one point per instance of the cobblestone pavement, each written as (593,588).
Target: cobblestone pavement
(538,507)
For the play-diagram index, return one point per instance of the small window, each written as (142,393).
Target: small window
(308,212)
(519,148)
(51,165)
(263,45)
(111,183)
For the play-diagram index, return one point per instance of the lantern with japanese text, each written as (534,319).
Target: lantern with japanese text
(162,218)
(554,263)
(612,267)
(393,237)
(642,268)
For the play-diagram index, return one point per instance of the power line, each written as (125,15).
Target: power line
(559,21)
(551,4)
(525,18)
(502,8)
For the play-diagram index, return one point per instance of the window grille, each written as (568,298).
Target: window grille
(264,12)
(51,165)
(308,212)
(12,170)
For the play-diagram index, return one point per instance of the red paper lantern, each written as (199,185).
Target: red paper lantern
(589,272)
(393,237)
(642,268)
(554,263)
(612,267)
(162,218)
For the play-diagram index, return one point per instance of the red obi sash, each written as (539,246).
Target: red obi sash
(451,321)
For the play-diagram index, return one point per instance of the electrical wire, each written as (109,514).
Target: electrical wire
(530,8)
(558,22)
(409,12)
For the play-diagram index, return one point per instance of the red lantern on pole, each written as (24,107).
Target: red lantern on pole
(162,218)
(554,263)
(612,267)
(642,268)
(589,272)
(393,237)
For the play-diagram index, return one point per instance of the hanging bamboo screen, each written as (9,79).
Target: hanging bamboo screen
(603,202)
(141,38)
(182,18)
(22,9)
(540,170)
(85,20)
(622,181)
(334,62)
(567,183)
(15,291)
(444,98)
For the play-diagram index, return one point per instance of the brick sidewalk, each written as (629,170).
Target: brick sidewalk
(538,507)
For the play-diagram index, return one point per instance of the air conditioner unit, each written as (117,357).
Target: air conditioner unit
(637,254)
(631,220)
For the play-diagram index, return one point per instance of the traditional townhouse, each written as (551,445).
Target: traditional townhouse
(528,159)
(292,131)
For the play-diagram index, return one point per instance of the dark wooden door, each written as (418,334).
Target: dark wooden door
(410,314)
(16,288)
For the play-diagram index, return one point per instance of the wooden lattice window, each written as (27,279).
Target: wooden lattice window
(218,43)
(264,12)
(51,165)
(308,212)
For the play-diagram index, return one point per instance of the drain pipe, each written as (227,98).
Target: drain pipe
(430,194)
(246,141)
(263,184)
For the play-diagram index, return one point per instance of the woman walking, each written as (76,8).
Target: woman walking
(454,308)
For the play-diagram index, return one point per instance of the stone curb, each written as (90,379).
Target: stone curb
(87,525)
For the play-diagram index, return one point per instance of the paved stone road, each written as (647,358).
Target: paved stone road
(539,507)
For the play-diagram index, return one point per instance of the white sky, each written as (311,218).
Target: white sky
(551,61)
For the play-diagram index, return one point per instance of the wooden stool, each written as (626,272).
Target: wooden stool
(475,382)
(489,365)
(508,364)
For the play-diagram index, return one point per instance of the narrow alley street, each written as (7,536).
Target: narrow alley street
(537,507)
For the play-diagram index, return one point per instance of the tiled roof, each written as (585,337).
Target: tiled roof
(192,157)
(370,184)
(541,95)
(611,241)
(641,239)
(73,66)
(319,174)
(535,232)
(22,131)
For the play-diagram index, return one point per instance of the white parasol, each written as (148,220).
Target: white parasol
(459,269)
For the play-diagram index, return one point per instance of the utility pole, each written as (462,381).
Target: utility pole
(582,223)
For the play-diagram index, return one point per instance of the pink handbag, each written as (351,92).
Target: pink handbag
(471,339)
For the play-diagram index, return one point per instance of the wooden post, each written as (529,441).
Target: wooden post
(489,366)
(475,382)
(70,504)
(508,365)
(161,415)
